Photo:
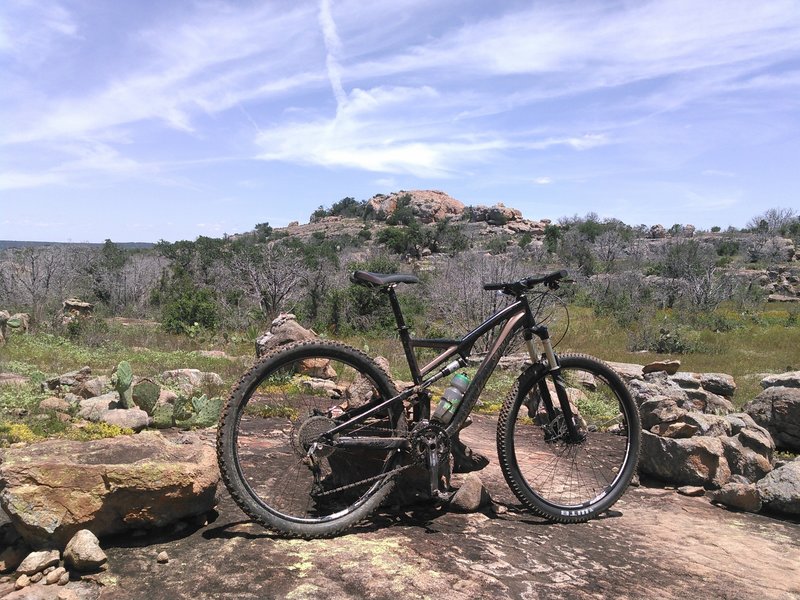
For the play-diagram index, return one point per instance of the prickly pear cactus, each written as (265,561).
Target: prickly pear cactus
(209,414)
(201,411)
(121,380)
(163,416)
(182,410)
(145,395)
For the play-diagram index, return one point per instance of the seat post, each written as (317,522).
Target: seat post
(405,335)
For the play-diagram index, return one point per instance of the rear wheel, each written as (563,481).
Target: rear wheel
(272,457)
(557,477)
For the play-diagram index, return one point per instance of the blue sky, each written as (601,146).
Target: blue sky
(148,120)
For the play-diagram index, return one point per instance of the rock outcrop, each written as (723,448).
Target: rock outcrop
(54,488)
(777,409)
(428,206)
(283,330)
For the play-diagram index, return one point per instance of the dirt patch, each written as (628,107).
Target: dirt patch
(654,543)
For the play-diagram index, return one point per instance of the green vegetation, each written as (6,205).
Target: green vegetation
(637,295)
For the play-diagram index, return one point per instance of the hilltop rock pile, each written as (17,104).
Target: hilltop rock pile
(428,206)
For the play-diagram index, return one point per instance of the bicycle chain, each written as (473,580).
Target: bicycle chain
(369,479)
(363,481)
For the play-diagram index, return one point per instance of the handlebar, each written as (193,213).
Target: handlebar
(519,287)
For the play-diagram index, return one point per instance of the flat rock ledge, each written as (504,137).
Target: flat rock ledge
(55,488)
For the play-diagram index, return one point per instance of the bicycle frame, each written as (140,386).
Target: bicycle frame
(516,315)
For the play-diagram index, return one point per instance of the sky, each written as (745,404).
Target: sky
(149,120)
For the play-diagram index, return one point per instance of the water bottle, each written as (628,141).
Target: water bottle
(451,398)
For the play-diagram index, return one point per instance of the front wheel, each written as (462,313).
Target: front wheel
(562,477)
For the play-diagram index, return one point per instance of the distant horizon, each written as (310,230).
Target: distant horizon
(151,121)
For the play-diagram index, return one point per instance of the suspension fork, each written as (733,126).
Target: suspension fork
(540,331)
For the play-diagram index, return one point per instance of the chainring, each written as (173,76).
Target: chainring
(425,435)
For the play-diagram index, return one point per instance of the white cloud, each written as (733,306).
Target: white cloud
(543,180)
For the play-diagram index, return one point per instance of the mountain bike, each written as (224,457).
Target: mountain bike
(315,434)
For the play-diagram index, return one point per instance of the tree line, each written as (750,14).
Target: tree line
(237,282)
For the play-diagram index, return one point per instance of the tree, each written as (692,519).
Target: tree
(774,220)
(272,275)
(37,278)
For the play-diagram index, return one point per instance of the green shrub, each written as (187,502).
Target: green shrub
(189,310)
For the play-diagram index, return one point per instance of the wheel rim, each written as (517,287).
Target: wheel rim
(282,414)
(570,477)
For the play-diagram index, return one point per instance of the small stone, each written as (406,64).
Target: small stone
(743,496)
(500,509)
(54,403)
(55,575)
(37,577)
(162,557)
(471,496)
(669,366)
(22,581)
(38,561)
(692,490)
(48,570)
(64,579)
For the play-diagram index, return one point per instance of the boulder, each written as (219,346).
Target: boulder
(675,430)
(127,418)
(284,330)
(54,403)
(627,371)
(90,388)
(743,460)
(660,411)
(68,380)
(92,409)
(720,384)
(657,385)
(55,488)
(83,552)
(37,562)
(708,425)
(788,379)
(687,381)
(742,496)
(189,380)
(780,490)
(777,409)
(693,461)
(471,496)
(707,402)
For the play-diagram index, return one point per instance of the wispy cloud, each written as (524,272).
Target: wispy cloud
(390,88)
